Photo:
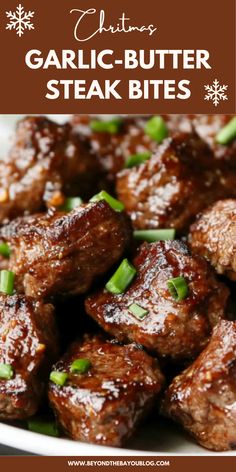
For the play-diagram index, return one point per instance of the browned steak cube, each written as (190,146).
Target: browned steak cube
(46,162)
(213,236)
(104,404)
(176,329)
(208,127)
(171,187)
(28,344)
(61,253)
(113,149)
(203,397)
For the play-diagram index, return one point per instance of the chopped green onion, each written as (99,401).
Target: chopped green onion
(156,129)
(228,133)
(138,311)
(59,378)
(5,250)
(152,235)
(71,203)
(43,426)
(113,202)
(6,371)
(136,159)
(80,366)
(112,126)
(122,278)
(178,288)
(7,282)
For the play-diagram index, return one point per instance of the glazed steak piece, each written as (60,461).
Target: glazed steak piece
(208,126)
(172,329)
(114,149)
(173,186)
(105,404)
(61,253)
(46,162)
(213,236)
(28,342)
(203,397)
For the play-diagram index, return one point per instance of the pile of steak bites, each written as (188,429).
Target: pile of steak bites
(120,237)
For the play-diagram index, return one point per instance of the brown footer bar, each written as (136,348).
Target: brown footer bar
(170,464)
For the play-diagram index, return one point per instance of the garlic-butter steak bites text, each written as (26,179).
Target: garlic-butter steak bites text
(203,397)
(172,328)
(47,162)
(61,253)
(105,403)
(28,346)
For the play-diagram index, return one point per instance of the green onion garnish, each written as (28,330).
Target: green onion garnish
(122,278)
(112,126)
(71,203)
(228,133)
(178,288)
(136,159)
(80,366)
(59,378)
(156,129)
(7,282)
(42,426)
(5,250)
(138,311)
(6,371)
(152,235)
(114,204)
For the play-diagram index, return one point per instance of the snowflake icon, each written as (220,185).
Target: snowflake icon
(20,20)
(216,92)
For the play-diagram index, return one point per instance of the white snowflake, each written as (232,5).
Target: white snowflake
(216,92)
(20,20)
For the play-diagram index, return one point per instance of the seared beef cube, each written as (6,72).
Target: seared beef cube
(104,404)
(214,237)
(203,397)
(113,149)
(176,329)
(208,127)
(28,344)
(173,186)
(47,161)
(62,253)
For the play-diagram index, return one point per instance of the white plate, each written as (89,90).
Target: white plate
(155,437)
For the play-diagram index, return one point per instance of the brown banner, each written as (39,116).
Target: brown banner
(165,57)
(136,464)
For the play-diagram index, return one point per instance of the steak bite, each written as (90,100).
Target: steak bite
(113,149)
(28,345)
(213,236)
(171,187)
(173,329)
(203,397)
(116,390)
(47,162)
(61,253)
(208,127)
